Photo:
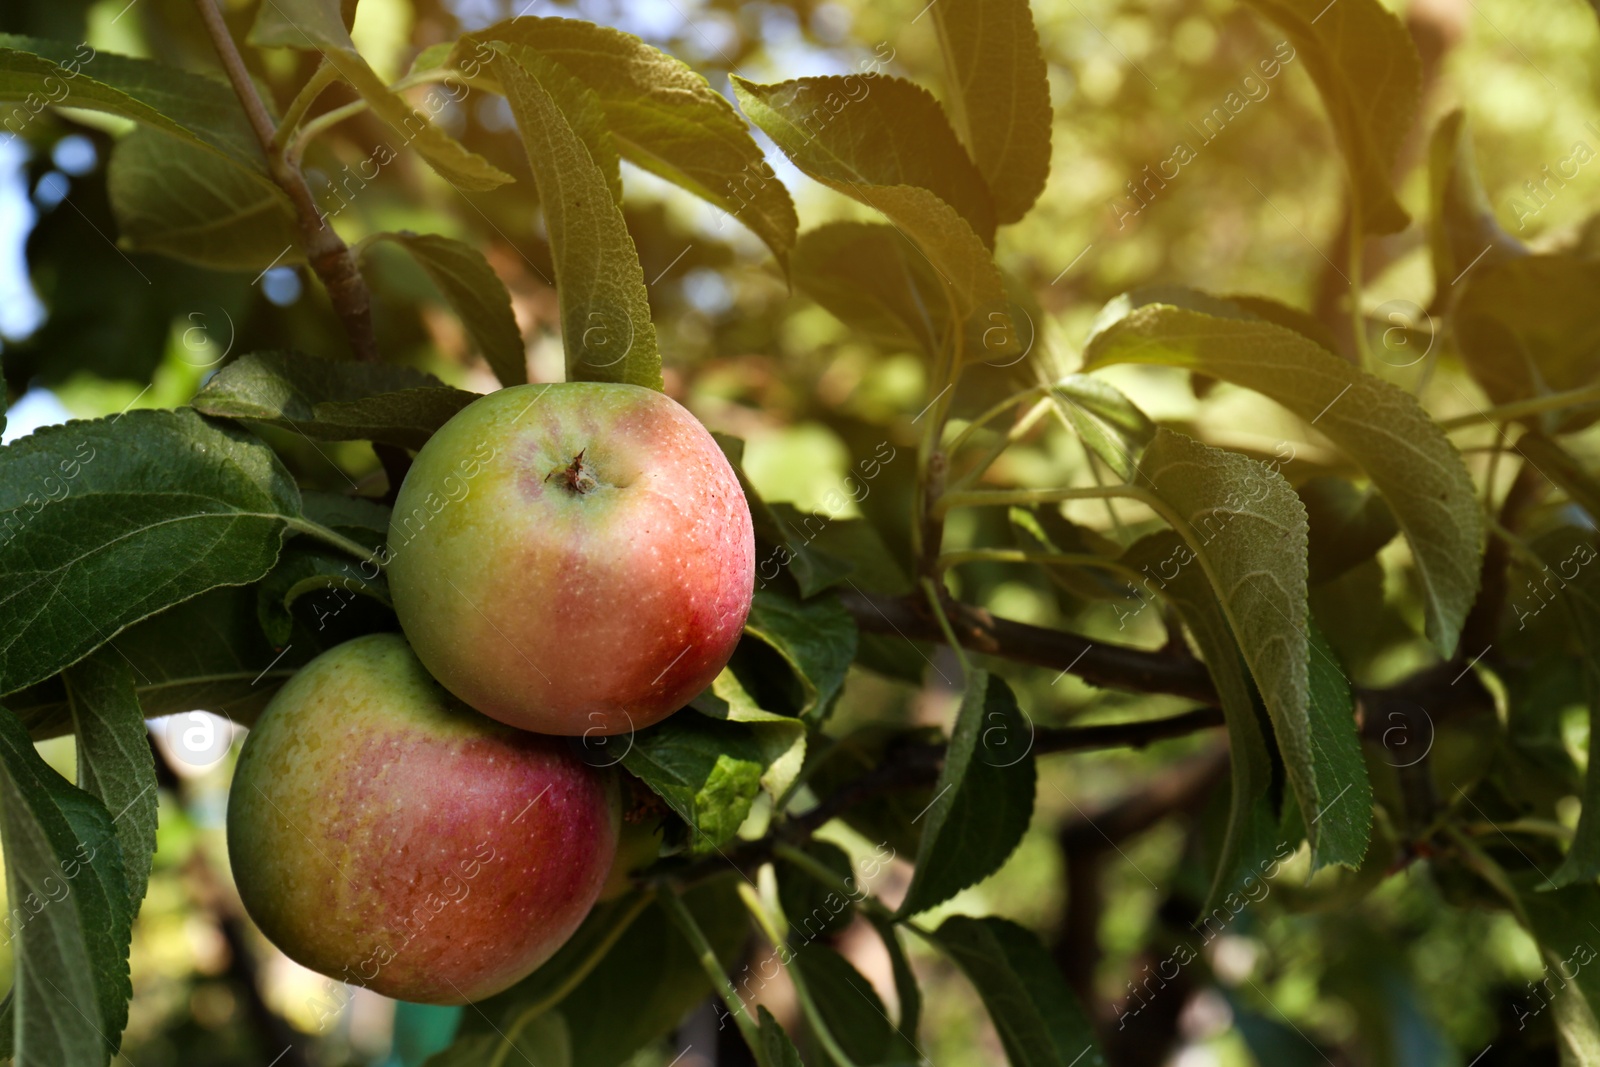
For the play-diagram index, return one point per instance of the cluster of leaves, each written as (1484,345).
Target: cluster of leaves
(159,561)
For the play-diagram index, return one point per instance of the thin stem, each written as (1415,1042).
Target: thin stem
(570,981)
(1018,555)
(334,538)
(320,125)
(824,875)
(1001,497)
(325,250)
(1535,827)
(819,1025)
(325,75)
(1572,398)
(993,413)
(927,533)
(1357,316)
(1012,436)
(684,920)
(316,127)
(932,588)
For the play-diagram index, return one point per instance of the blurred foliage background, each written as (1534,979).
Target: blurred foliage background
(1312,973)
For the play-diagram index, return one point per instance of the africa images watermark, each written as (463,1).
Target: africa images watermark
(53,91)
(1142,193)
(1253,489)
(1229,909)
(752,982)
(784,554)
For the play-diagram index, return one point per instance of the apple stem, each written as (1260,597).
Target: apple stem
(576,476)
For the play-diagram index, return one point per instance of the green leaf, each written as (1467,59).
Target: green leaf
(1568,554)
(1168,557)
(779,545)
(1106,421)
(905,985)
(476,294)
(887,144)
(983,801)
(1040,1022)
(647,980)
(198,109)
(873,279)
(812,908)
(1382,428)
(71,923)
(304,570)
(782,738)
(115,763)
(776,1048)
(708,772)
(1564,924)
(1348,526)
(1366,68)
(998,96)
(178,200)
(1247,530)
(148,509)
(541,1039)
(318,26)
(1528,327)
(846,1002)
(333,400)
(1564,469)
(1462,229)
(1339,830)
(815,639)
(208,653)
(663,117)
(605,310)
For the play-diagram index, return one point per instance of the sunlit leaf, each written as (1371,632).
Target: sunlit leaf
(998,96)
(1368,73)
(477,295)
(662,116)
(318,26)
(1462,230)
(1381,427)
(605,311)
(886,143)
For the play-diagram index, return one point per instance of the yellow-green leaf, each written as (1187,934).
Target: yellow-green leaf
(1366,68)
(478,296)
(318,26)
(1382,428)
(605,310)
(998,96)
(886,143)
(663,116)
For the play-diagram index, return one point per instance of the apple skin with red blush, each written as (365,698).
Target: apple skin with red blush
(572,559)
(384,834)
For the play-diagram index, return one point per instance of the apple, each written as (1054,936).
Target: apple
(574,558)
(387,835)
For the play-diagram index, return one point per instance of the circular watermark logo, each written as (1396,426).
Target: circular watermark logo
(606,338)
(1408,333)
(1008,336)
(601,747)
(207,337)
(1407,736)
(1006,739)
(196,739)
